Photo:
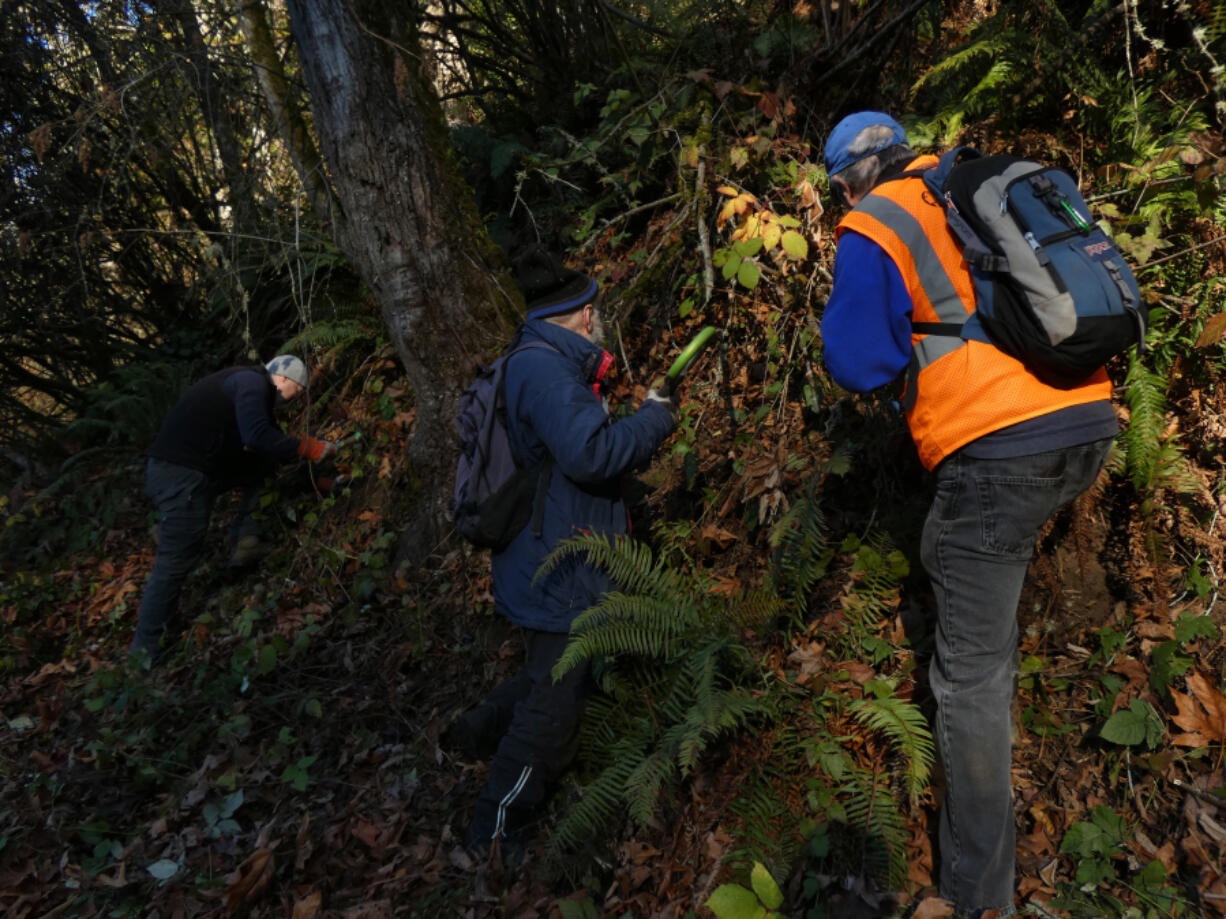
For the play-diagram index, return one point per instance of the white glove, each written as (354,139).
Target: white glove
(669,402)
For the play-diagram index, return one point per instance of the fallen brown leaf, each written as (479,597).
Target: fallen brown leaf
(249,880)
(308,906)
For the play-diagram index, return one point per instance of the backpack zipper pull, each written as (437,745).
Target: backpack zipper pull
(1040,253)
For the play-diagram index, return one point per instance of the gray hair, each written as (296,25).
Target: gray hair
(861,176)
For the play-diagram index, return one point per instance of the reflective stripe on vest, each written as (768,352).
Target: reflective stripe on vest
(933,277)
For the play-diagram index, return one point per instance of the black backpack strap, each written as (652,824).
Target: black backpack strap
(953,329)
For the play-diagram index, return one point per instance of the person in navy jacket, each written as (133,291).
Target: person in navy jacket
(555,408)
(220,435)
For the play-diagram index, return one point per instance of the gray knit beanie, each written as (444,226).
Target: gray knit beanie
(290,367)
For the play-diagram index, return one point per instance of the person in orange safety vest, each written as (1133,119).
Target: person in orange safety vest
(1007,451)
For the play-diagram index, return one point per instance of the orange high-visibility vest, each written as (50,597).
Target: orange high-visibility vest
(963,389)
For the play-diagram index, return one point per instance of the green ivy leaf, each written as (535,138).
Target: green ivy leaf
(765,887)
(1139,723)
(1189,627)
(748,274)
(731,266)
(1092,872)
(732,901)
(1083,839)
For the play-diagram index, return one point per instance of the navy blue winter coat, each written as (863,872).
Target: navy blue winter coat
(552,408)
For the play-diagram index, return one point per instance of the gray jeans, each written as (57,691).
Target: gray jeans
(184,498)
(978,541)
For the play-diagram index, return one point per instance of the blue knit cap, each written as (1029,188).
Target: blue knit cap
(550,288)
(836,155)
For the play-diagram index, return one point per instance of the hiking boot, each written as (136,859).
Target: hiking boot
(506,853)
(247,551)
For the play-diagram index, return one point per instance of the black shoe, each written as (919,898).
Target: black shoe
(505,853)
(248,550)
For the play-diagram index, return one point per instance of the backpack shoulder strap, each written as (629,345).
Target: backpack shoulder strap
(544,470)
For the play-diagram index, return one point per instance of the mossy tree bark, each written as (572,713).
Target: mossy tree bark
(413,231)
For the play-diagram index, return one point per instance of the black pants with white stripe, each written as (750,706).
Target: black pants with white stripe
(539,743)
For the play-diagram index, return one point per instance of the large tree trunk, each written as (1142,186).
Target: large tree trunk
(414,233)
(287,120)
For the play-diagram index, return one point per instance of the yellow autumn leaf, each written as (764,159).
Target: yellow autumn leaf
(770,235)
(725,213)
(727,191)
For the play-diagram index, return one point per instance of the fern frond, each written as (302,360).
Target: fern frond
(601,799)
(801,552)
(643,785)
(878,571)
(769,823)
(754,608)
(960,61)
(907,729)
(987,90)
(878,826)
(621,624)
(1152,458)
(330,333)
(630,564)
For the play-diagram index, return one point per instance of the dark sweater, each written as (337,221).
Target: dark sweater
(220,418)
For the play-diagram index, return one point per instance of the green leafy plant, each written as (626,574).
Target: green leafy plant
(1137,724)
(760,900)
(904,725)
(669,667)
(1104,864)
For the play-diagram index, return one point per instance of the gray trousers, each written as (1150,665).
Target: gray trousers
(184,498)
(977,544)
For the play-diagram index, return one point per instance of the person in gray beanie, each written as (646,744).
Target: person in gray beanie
(219,436)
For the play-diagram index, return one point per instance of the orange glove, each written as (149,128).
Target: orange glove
(315,450)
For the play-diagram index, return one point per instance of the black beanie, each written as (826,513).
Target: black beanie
(548,286)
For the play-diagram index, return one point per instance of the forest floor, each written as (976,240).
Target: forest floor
(288,758)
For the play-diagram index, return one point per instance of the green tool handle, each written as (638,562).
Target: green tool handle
(689,353)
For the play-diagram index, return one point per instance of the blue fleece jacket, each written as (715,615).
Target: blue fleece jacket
(553,409)
(866,327)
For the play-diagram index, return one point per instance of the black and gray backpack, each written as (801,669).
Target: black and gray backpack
(1051,288)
